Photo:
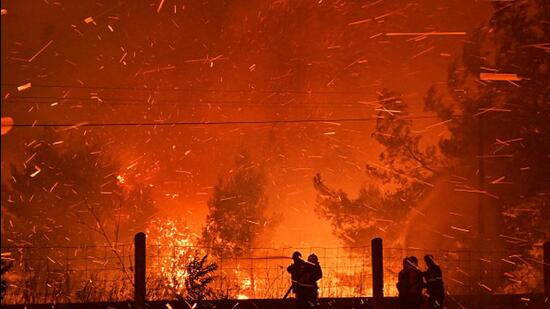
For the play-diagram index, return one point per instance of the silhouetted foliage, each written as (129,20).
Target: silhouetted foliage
(6,266)
(393,187)
(68,189)
(515,116)
(236,210)
(186,276)
(508,121)
(199,276)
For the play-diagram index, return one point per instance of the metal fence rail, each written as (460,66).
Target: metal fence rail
(105,273)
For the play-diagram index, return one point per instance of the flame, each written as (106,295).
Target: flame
(175,247)
(246,283)
(175,244)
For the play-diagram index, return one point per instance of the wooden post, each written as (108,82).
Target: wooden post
(546,268)
(377,270)
(139,271)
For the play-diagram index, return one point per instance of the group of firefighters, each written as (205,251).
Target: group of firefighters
(411,282)
(304,276)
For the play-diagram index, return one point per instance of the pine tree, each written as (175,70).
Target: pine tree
(398,183)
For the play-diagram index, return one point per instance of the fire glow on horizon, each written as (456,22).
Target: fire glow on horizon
(359,119)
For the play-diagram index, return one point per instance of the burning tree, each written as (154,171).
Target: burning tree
(236,210)
(64,191)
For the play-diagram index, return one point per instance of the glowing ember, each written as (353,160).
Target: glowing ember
(121,180)
(425,123)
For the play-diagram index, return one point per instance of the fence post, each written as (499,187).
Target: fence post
(139,271)
(546,267)
(377,270)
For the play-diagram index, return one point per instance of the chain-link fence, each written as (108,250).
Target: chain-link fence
(105,273)
(468,272)
(262,273)
(68,274)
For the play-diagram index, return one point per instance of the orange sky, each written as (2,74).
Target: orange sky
(238,60)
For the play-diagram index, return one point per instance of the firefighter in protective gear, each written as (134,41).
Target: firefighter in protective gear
(434,283)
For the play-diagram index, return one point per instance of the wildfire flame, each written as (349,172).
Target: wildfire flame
(174,247)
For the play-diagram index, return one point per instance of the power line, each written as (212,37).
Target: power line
(178,89)
(48,99)
(244,122)
(176,102)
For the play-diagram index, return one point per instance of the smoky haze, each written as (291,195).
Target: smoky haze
(230,61)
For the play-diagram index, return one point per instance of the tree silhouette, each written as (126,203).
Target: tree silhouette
(200,274)
(394,186)
(236,210)
(498,125)
(514,114)
(510,119)
(66,189)
(6,267)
